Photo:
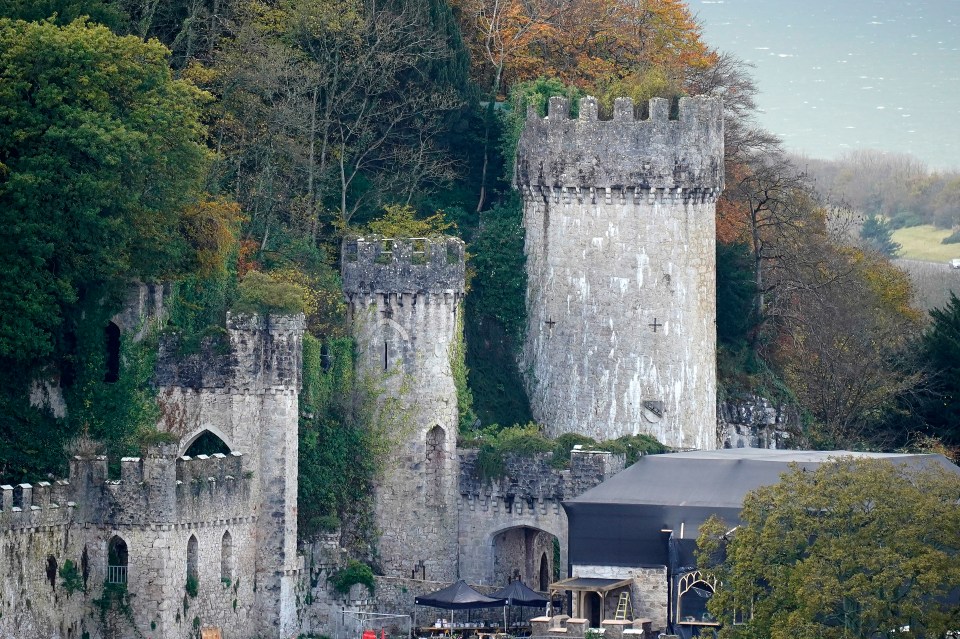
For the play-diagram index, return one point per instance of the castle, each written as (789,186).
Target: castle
(176,543)
(620,340)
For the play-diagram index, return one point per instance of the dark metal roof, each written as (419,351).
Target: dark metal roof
(628,519)
(719,478)
(593,584)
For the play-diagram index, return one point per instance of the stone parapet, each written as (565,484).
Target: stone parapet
(534,480)
(262,354)
(625,154)
(403,265)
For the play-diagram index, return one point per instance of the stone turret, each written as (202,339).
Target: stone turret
(620,247)
(246,395)
(404,300)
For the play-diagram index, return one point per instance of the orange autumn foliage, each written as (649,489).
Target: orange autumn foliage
(585,43)
(733,215)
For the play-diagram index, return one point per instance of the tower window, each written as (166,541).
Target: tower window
(112,337)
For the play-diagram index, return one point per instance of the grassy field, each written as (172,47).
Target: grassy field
(923,243)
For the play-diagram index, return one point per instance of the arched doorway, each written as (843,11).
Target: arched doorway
(544,573)
(592,608)
(694,590)
(117,561)
(524,553)
(226,557)
(193,559)
(111,336)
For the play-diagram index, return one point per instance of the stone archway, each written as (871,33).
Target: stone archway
(524,553)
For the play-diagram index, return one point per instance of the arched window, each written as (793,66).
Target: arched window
(207,443)
(193,558)
(52,571)
(85,566)
(117,561)
(112,337)
(226,558)
(436,455)
(694,591)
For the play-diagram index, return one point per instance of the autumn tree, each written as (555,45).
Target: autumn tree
(326,107)
(843,346)
(856,548)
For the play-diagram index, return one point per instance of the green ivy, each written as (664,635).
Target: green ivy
(495,444)
(348,428)
(114,606)
(458,366)
(71,579)
(353,573)
(192,586)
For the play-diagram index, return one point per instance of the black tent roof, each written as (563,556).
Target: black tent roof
(458,596)
(517,593)
(627,520)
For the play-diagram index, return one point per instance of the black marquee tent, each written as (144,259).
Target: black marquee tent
(517,593)
(459,596)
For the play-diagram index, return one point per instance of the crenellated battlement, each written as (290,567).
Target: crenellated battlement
(534,480)
(154,489)
(626,156)
(403,265)
(264,355)
(35,505)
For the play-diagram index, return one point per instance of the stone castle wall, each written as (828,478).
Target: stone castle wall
(403,300)
(228,519)
(620,236)
(157,505)
(749,421)
(501,520)
(248,397)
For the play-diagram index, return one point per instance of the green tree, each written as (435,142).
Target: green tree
(100,151)
(857,548)
(877,234)
(65,11)
(940,351)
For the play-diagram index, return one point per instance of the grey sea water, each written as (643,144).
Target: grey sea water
(838,75)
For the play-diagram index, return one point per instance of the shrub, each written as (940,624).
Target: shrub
(953,238)
(354,573)
(263,293)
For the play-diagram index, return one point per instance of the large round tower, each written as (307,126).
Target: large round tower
(620,247)
(403,298)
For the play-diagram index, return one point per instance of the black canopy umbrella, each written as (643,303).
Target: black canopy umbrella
(458,596)
(517,593)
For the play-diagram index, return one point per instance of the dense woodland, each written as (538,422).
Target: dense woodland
(227,146)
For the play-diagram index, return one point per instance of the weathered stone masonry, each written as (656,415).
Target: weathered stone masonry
(229,520)
(403,298)
(526,499)
(620,246)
